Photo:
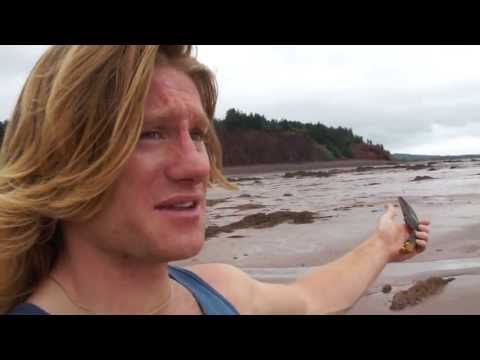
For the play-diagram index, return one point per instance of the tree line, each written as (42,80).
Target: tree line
(338,140)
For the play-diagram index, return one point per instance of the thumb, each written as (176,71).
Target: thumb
(390,211)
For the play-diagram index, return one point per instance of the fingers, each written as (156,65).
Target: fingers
(390,211)
(420,246)
(424,222)
(424,228)
(421,235)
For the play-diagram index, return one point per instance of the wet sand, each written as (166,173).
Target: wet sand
(271,168)
(347,205)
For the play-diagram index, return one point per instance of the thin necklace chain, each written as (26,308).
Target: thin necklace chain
(86,309)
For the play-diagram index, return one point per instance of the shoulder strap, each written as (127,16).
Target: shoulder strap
(211,301)
(27,309)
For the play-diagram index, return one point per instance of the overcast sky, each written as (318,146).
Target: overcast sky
(412,99)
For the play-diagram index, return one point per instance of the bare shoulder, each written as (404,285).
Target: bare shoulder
(247,294)
(233,283)
(218,272)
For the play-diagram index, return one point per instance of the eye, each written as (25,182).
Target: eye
(198,135)
(152,135)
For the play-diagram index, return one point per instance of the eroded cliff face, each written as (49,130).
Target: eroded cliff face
(370,152)
(251,147)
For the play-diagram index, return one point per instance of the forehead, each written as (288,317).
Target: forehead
(172,90)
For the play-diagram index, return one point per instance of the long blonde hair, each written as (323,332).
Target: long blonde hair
(76,122)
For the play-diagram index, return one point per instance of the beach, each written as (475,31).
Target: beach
(340,203)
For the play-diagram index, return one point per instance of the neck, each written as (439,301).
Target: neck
(108,283)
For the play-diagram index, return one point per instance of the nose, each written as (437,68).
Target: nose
(189,160)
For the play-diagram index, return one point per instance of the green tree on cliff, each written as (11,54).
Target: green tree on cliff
(338,140)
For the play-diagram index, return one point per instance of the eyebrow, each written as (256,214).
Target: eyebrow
(200,117)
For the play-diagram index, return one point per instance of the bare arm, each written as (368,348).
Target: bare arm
(336,286)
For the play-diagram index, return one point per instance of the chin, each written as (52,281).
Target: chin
(187,247)
(195,245)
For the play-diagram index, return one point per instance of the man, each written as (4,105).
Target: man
(105,168)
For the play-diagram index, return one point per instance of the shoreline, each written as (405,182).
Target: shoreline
(279,167)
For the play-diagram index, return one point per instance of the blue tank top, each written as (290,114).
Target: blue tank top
(211,302)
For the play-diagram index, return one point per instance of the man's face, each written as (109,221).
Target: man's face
(157,208)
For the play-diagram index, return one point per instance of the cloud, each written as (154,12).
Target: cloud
(395,95)
(16,62)
(448,141)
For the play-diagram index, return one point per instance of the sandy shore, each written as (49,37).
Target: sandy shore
(460,297)
(270,168)
(347,206)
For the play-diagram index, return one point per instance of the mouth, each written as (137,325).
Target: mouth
(180,206)
(183,208)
